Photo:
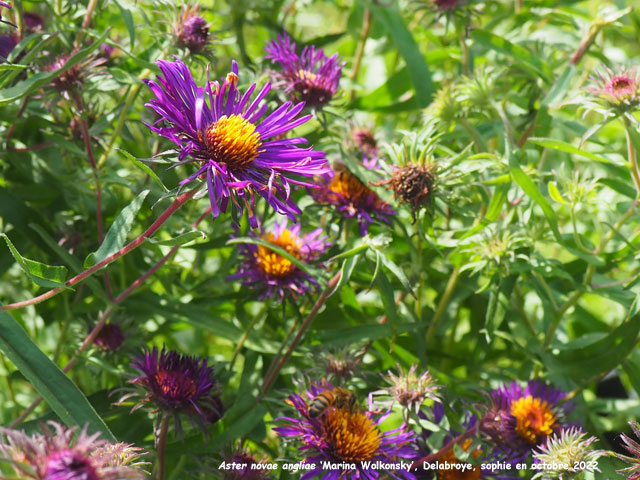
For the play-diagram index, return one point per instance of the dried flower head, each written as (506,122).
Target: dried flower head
(345,439)
(236,153)
(191,30)
(339,364)
(413,184)
(177,385)
(274,275)
(310,77)
(620,91)
(570,452)
(411,390)
(631,446)
(351,197)
(59,453)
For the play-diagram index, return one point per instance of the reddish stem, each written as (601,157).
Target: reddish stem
(268,381)
(177,203)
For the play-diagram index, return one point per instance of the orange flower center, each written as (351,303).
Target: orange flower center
(352,437)
(534,419)
(174,387)
(232,140)
(272,264)
(350,187)
(452,474)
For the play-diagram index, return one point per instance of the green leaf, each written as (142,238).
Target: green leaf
(62,395)
(70,260)
(388,299)
(34,82)
(348,265)
(145,168)
(279,250)
(565,147)
(524,57)
(396,270)
(41,274)
(529,188)
(582,364)
(498,200)
(555,194)
(180,239)
(117,235)
(417,67)
(561,86)
(128,20)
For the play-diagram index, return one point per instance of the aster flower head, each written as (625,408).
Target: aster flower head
(618,90)
(520,419)
(631,446)
(311,77)
(276,276)
(110,337)
(7,44)
(191,30)
(339,364)
(238,149)
(362,142)
(59,453)
(351,197)
(73,77)
(349,440)
(247,471)
(570,450)
(32,22)
(177,385)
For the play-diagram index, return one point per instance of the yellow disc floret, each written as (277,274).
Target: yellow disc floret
(535,419)
(232,140)
(272,264)
(352,437)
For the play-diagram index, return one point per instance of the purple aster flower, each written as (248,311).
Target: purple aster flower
(410,389)
(310,77)
(7,44)
(351,197)
(110,337)
(73,77)
(178,384)
(275,275)
(367,146)
(191,30)
(347,443)
(237,153)
(520,419)
(55,454)
(32,22)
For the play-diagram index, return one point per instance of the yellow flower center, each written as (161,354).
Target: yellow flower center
(272,264)
(449,457)
(534,419)
(349,186)
(173,387)
(307,75)
(352,437)
(232,140)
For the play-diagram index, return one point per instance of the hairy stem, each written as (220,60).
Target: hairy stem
(161,442)
(268,381)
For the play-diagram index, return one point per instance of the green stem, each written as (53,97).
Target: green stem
(478,141)
(444,301)
(364,34)
(520,305)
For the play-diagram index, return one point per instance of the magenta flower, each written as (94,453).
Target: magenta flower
(191,30)
(352,198)
(631,446)
(61,454)
(274,275)
(310,77)
(620,90)
(236,150)
(343,444)
(110,337)
(521,419)
(178,385)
